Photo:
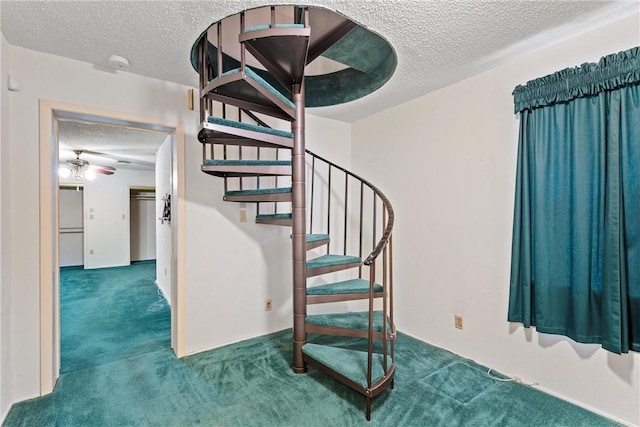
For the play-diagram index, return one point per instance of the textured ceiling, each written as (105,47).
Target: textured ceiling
(437,42)
(106,145)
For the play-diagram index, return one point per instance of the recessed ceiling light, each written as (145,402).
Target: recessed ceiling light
(118,62)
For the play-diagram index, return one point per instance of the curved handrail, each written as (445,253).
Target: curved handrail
(384,240)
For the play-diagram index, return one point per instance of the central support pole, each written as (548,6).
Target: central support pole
(299,231)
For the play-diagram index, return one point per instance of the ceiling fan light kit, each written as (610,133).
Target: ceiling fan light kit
(81,170)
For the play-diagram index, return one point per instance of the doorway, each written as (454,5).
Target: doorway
(142,224)
(71,236)
(51,113)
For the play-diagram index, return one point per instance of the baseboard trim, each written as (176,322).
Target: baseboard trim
(585,406)
(164,295)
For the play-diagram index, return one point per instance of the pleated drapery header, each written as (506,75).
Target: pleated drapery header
(611,72)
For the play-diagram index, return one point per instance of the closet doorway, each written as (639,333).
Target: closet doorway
(71,226)
(142,223)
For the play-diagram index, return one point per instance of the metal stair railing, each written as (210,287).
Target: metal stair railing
(380,204)
(354,213)
(381,255)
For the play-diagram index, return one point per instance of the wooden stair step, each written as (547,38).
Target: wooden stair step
(342,291)
(275,219)
(216,130)
(246,89)
(281,49)
(278,194)
(355,323)
(239,168)
(329,263)
(348,364)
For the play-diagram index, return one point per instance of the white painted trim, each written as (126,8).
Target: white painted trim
(164,295)
(178,197)
(48,255)
(583,405)
(49,276)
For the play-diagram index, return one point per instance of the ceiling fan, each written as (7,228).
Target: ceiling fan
(80,169)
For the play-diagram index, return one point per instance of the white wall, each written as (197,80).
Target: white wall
(333,144)
(107,229)
(71,227)
(163,231)
(106,217)
(54,78)
(447,162)
(230,267)
(6,396)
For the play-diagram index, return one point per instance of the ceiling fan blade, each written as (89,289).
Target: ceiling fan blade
(124,159)
(105,170)
(105,167)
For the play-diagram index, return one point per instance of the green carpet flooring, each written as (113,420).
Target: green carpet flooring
(251,384)
(108,314)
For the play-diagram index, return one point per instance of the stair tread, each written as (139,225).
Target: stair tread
(357,320)
(249,126)
(316,240)
(242,88)
(266,27)
(351,364)
(331,260)
(353,286)
(281,49)
(262,82)
(316,237)
(229,162)
(258,191)
(273,216)
(283,220)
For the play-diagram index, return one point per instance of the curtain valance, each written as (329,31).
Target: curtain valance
(611,72)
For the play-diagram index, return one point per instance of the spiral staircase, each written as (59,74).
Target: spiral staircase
(258,71)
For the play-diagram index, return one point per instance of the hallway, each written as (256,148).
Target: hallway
(110,314)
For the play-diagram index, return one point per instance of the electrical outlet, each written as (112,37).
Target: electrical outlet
(90,251)
(458,322)
(243,216)
(267,304)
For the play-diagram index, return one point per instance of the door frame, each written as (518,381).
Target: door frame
(50,112)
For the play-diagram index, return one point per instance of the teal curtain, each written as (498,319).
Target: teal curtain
(575,267)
